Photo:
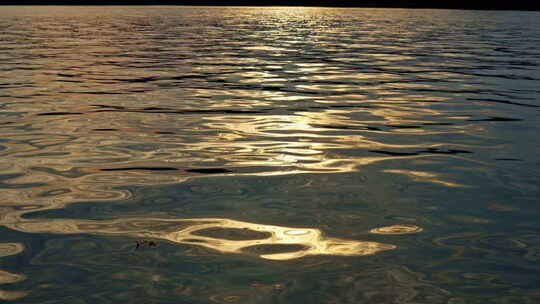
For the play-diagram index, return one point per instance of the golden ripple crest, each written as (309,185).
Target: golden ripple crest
(8,277)
(7,249)
(298,242)
(397,229)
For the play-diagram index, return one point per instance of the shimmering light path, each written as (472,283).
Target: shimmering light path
(308,241)
(276,155)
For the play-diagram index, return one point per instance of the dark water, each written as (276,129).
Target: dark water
(269,155)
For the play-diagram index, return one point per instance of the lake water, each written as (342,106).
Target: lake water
(269,155)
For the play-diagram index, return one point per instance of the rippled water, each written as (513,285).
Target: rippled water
(265,155)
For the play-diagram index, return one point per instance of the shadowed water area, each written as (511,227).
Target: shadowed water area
(269,155)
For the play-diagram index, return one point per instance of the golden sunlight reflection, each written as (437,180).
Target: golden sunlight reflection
(96,122)
(311,240)
(10,295)
(253,138)
(397,229)
(290,242)
(55,187)
(283,144)
(425,177)
(7,249)
(8,277)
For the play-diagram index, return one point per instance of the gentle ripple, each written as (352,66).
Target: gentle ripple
(245,139)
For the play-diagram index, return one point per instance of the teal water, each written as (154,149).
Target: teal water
(268,155)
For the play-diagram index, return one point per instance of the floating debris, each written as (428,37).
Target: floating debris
(146,243)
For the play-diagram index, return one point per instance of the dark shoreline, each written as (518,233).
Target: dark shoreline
(417,4)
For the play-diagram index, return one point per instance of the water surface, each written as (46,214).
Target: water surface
(268,155)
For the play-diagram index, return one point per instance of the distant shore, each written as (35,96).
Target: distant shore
(471,5)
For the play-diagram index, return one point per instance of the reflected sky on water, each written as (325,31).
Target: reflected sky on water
(275,154)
